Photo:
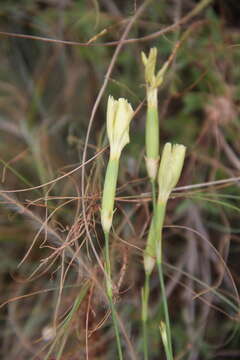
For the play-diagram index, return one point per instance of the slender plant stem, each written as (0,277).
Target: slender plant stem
(145,297)
(145,340)
(154,199)
(166,312)
(152,126)
(159,220)
(110,295)
(146,290)
(116,328)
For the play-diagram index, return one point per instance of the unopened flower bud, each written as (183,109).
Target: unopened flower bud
(119,116)
(170,169)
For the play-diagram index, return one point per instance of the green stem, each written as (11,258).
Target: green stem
(145,340)
(166,312)
(152,131)
(109,191)
(116,329)
(152,139)
(159,220)
(154,241)
(154,199)
(145,298)
(110,295)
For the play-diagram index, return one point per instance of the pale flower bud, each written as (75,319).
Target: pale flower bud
(170,169)
(119,116)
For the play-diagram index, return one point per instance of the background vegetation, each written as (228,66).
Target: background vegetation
(53,301)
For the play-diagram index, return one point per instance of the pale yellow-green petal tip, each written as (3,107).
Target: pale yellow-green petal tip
(152,167)
(170,169)
(149,263)
(119,116)
(106,220)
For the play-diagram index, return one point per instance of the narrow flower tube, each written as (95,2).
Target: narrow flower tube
(169,173)
(119,116)
(109,190)
(153,249)
(152,122)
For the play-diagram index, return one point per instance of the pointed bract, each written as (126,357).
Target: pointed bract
(150,64)
(153,80)
(144,58)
